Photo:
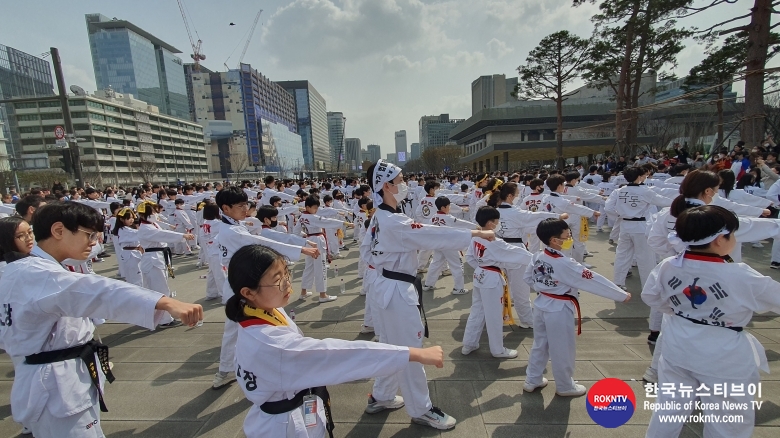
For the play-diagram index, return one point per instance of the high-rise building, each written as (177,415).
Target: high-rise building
(393,158)
(21,75)
(400,146)
(414,151)
(375,152)
(246,115)
(312,123)
(435,130)
(336,125)
(130,60)
(4,162)
(352,153)
(189,69)
(365,155)
(125,140)
(490,92)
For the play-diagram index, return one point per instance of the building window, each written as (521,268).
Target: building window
(94,116)
(29,129)
(100,128)
(53,116)
(27,117)
(78,114)
(25,105)
(49,104)
(111,108)
(97,105)
(79,102)
(113,120)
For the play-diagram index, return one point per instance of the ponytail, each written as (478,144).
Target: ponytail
(234,308)
(494,199)
(694,184)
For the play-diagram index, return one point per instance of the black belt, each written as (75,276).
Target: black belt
(634,219)
(87,353)
(167,255)
(417,282)
(315,234)
(696,321)
(282,406)
(513,239)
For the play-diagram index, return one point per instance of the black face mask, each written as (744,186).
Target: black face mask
(274,224)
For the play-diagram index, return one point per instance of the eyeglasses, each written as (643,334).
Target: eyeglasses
(286,280)
(243,205)
(25,236)
(94,236)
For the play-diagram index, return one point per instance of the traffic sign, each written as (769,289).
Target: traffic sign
(59,132)
(61,143)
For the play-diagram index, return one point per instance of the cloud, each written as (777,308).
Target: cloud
(78,76)
(464,59)
(400,63)
(497,49)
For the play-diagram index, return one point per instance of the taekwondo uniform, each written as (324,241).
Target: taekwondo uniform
(129,249)
(452,257)
(155,262)
(556,203)
(215,279)
(315,271)
(532,203)
(426,208)
(183,224)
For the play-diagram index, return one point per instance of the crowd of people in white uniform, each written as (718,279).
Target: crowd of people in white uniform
(524,234)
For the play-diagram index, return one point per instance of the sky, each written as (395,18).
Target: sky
(383,63)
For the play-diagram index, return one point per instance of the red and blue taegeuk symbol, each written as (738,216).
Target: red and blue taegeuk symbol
(611,402)
(695,294)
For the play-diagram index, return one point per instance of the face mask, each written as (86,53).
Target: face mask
(274,224)
(567,244)
(402,191)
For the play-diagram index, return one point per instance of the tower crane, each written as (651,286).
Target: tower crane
(196,55)
(251,32)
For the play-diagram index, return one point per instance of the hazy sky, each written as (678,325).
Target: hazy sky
(383,63)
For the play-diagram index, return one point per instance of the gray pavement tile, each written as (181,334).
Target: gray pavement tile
(168,429)
(364,430)
(197,353)
(766,335)
(459,400)
(564,431)
(622,369)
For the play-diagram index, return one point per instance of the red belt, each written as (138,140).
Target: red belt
(576,306)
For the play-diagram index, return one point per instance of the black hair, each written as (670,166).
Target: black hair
(697,223)
(535,183)
(497,196)
(246,268)
(363,201)
(632,173)
(486,214)
(251,204)
(210,211)
(179,201)
(114,206)
(746,180)
(549,228)
(72,215)
(274,199)
(119,224)
(357,192)
(694,184)
(230,196)
(727,180)
(268,180)
(553,181)
(431,184)
(593,168)
(327,198)
(8,227)
(571,176)
(464,187)
(171,192)
(28,201)
(441,202)
(311,201)
(266,212)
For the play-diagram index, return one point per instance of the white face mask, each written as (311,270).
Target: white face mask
(402,192)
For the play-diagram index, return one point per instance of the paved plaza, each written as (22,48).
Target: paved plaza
(163,386)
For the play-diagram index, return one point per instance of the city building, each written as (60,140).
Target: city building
(130,60)
(665,90)
(392,158)
(414,151)
(122,140)
(375,152)
(189,70)
(400,146)
(336,126)
(352,153)
(21,75)
(435,130)
(312,124)
(5,164)
(244,115)
(490,92)
(365,155)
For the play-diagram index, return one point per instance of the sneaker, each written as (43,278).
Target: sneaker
(525,326)
(427,288)
(653,337)
(758,245)
(104,255)
(629,274)
(623,287)
(327,299)
(651,375)
(174,323)
(466,350)
(460,291)
(26,431)
(365,329)
(587,254)
(579,390)
(589,266)
(375,406)
(212,298)
(305,296)
(221,379)
(527,387)
(611,242)
(599,230)
(446,272)
(436,419)
(422,270)
(506,354)
(775,265)
(196,247)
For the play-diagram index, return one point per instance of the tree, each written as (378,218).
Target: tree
(239,162)
(145,168)
(550,68)
(44,178)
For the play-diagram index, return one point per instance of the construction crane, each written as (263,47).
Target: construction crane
(196,55)
(251,32)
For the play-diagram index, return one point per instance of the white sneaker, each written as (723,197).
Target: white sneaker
(446,272)
(306,295)
(651,375)
(375,406)
(26,431)
(362,292)
(422,270)
(506,354)
(436,419)
(364,329)
(623,287)
(525,326)
(466,350)
(579,390)
(327,299)
(587,265)
(221,379)
(427,288)
(758,245)
(211,298)
(527,387)
(460,291)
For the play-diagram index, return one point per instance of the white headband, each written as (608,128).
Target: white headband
(384,171)
(680,246)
